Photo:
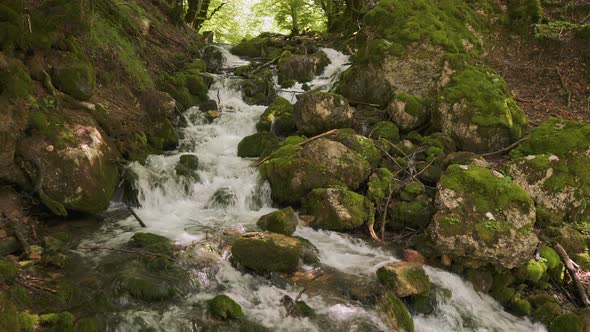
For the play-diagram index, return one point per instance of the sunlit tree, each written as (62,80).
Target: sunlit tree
(295,15)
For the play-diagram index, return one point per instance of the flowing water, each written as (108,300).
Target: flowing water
(185,211)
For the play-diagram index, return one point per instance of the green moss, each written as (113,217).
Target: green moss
(15,81)
(283,221)
(279,107)
(412,190)
(222,306)
(550,256)
(88,325)
(547,312)
(381,184)
(523,14)
(62,322)
(359,144)
(520,306)
(488,192)
(112,40)
(583,260)
(534,270)
(75,76)
(141,286)
(267,252)
(396,312)
(414,214)
(187,88)
(557,137)
(153,243)
(257,145)
(326,205)
(28,322)
(8,314)
(405,279)
(397,24)
(488,99)
(567,322)
(8,270)
(386,130)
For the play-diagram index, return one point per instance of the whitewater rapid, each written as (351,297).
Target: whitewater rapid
(180,209)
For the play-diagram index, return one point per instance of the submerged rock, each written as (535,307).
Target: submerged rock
(300,67)
(338,209)
(222,198)
(283,222)
(214,59)
(280,107)
(187,166)
(477,111)
(267,252)
(317,112)
(294,169)
(404,279)
(483,217)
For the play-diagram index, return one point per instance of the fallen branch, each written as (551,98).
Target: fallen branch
(565,259)
(352,102)
(141,223)
(271,62)
(127,251)
(506,149)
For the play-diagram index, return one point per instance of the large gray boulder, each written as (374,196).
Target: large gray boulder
(318,112)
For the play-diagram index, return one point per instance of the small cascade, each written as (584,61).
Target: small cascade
(227,193)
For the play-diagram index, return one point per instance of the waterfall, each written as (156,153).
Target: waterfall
(174,206)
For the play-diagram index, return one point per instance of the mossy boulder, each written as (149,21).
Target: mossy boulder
(296,169)
(567,322)
(414,214)
(79,169)
(523,14)
(224,307)
(385,130)
(15,81)
(338,209)
(153,243)
(267,252)
(260,89)
(547,312)
(188,86)
(550,257)
(75,76)
(533,271)
(8,270)
(142,285)
(213,58)
(552,165)
(408,112)
(477,111)
(404,279)
(63,321)
(394,313)
(358,143)
(381,185)
(257,145)
(301,68)
(280,107)
(520,306)
(283,221)
(569,237)
(483,218)
(318,112)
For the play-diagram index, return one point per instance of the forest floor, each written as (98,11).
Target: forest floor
(547,79)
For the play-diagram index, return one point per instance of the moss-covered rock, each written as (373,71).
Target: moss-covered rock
(380,186)
(224,307)
(213,58)
(29,322)
(483,217)
(79,169)
(358,143)
(412,190)
(75,76)
(8,314)
(277,109)
(583,260)
(141,285)
(318,112)
(15,81)
(257,145)
(260,89)
(394,313)
(533,271)
(477,111)
(188,87)
(481,279)
(385,130)
(414,214)
(552,166)
(283,221)
(301,68)
(567,322)
(404,279)
(8,270)
(547,312)
(569,237)
(338,209)
(520,306)
(267,252)
(152,243)
(63,321)
(408,112)
(551,257)
(523,14)
(294,169)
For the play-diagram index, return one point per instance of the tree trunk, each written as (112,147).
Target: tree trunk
(294,18)
(193,9)
(202,16)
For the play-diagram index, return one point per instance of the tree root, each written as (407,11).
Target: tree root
(565,259)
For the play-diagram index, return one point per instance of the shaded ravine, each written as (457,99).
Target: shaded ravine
(182,209)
